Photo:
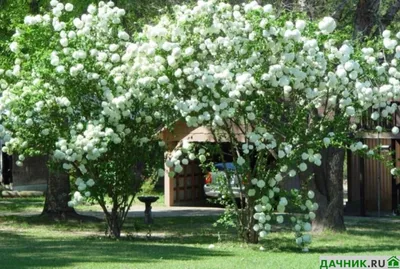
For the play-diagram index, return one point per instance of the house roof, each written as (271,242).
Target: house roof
(180,131)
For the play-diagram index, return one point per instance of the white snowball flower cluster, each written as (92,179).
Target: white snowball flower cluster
(358,146)
(327,25)
(181,156)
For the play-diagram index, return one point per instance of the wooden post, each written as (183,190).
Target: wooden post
(362,187)
(394,186)
(349,177)
(168,182)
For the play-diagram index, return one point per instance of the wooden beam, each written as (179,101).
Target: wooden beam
(168,182)
(349,176)
(394,185)
(362,186)
(384,135)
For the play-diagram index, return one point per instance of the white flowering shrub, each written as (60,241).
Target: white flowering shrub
(278,89)
(77,93)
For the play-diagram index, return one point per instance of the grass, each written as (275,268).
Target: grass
(19,205)
(35,204)
(179,242)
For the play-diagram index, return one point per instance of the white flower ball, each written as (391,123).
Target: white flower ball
(202,158)
(283,201)
(263,234)
(178,169)
(300,25)
(258,208)
(306,238)
(307,227)
(256,227)
(311,194)
(90,182)
(386,34)
(264,199)
(278,177)
(375,116)
(261,184)
(303,167)
(240,161)
(71,203)
(161,143)
(82,187)
(390,44)
(327,25)
(251,192)
(69,7)
(395,130)
(311,215)
(350,111)
(280,208)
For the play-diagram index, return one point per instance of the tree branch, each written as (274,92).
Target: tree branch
(339,10)
(391,13)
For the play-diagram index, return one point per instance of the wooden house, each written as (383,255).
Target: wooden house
(372,189)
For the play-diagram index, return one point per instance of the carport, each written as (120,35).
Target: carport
(186,188)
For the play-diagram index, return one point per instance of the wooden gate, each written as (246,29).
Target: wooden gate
(188,186)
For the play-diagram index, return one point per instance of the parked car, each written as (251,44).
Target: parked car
(216,181)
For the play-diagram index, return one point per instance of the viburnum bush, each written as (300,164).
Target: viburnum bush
(76,92)
(278,88)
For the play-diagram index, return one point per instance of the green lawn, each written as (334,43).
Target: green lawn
(180,242)
(35,204)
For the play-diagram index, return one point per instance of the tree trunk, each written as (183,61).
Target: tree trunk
(113,224)
(248,221)
(328,188)
(367,16)
(57,197)
(391,13)
(34,6)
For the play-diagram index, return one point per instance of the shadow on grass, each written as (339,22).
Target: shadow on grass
(362,236)
(287,245)
(374,228)
(22,251)
(35,221)
(21,204)
(169,230)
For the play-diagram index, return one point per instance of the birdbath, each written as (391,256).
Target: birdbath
(147,200)
(148,219)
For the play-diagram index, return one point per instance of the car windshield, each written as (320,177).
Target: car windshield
(221,166)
